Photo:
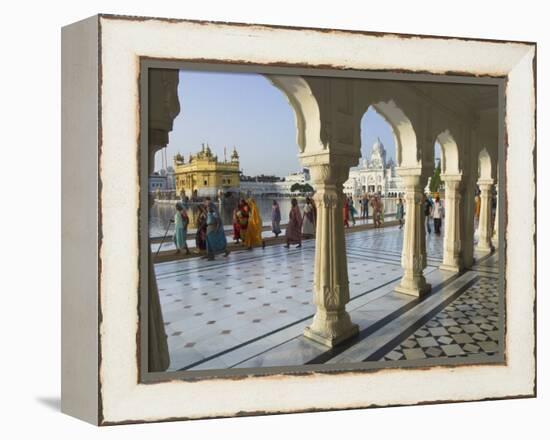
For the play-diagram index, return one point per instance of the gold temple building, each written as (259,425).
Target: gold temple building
(204,175)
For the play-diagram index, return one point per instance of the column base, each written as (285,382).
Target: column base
(331,328)
(418,291)
(484,249)
(450,268)
(468,262)
(330,339)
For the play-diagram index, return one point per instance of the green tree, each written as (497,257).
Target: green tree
(301,188)
(435,182)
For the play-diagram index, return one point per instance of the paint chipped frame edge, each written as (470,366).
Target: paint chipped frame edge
(106,389)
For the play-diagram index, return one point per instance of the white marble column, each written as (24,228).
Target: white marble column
(413,256)
(452,242)
(331,323)
(163,108)
(485,220)
(467,221)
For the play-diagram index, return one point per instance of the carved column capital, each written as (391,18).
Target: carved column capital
(329,173)
(452,179)
(329,166)
(485,185)
(452,189)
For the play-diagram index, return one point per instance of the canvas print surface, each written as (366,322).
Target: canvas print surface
(305,222)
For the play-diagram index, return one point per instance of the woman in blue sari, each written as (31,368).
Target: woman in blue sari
(181,221)
(215,235)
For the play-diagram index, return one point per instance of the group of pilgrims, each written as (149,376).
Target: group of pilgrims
(247,223)
(377,206)
(210,236)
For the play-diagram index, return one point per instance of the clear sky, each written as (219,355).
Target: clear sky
(248,112)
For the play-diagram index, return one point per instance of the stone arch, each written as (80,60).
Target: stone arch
(409,168)
(401,109)
(306,110)
(450,163)
(485,166)
(406,150)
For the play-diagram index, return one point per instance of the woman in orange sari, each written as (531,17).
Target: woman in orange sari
(254,230)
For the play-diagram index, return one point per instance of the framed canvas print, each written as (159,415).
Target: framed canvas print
(276,220)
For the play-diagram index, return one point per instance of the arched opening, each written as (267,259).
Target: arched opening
(444,194)
(446,166)
(448,149)
(408,211)
(485,201)
(406,151)
(306,110)
(237,136)
(251,137)
(374,183)
(435,194)
(435,183)
(484,165)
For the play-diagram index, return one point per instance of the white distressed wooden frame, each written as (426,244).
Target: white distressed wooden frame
(101,64)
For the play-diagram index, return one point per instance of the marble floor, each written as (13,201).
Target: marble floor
(167,244)
(249,309)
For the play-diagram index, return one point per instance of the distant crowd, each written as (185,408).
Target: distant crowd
(210,237)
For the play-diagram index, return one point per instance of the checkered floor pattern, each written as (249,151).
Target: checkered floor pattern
(250,309)
(469,325)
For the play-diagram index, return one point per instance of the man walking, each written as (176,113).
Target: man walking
(427,213)
(365,207)
(400,212)
(437,214)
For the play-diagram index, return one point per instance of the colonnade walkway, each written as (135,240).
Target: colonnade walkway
(250,309)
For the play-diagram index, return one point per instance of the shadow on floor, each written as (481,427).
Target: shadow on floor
(52,403)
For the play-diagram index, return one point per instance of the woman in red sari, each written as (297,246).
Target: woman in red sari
(294,227)
(346,213)
(236,225)
(241,217)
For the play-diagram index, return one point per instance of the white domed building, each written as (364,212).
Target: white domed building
(375,175)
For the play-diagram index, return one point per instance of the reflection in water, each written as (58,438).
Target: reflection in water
(161,213)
